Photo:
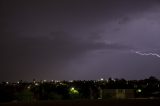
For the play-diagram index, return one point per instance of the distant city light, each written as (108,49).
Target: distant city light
(7,82)
(36,84)
(102,79)
(44,80)
(113,80)
(106,80)
(72,88)
(29,87)
(70,80)
(17,82)
(139,90)
(56,81)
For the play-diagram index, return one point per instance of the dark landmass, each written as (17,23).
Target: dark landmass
(126,102)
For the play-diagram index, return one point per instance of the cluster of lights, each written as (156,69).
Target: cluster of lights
(102,79)
(112,79)
(95,81)
(74,91)
(61,83)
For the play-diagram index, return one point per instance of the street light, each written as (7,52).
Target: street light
(73,91)
(139,90)
(102,79)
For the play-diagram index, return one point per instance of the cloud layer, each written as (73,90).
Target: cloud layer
(78,40)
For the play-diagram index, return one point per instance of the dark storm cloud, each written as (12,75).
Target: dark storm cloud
(44,39)
(28,53)
(58,44)
(124,20)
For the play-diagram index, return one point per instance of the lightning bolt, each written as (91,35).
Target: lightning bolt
(146,54)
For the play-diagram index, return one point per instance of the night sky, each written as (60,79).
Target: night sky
(79,39)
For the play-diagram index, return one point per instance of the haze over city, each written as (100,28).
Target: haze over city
(79,39)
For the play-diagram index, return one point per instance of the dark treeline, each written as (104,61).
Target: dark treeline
(63,90)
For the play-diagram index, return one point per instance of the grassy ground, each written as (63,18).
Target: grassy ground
(127,102)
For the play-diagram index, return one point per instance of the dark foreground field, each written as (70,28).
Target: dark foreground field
(128,102)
